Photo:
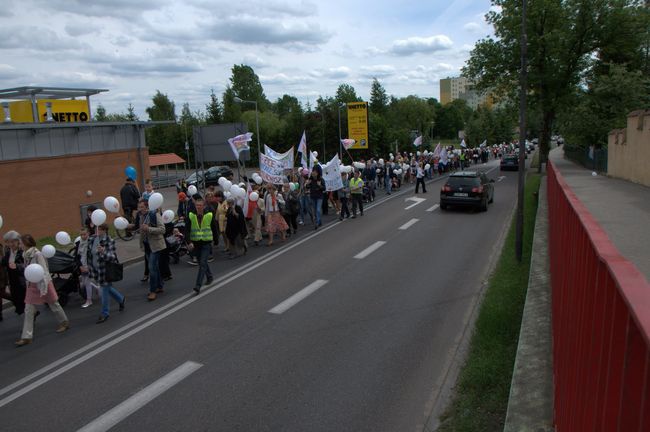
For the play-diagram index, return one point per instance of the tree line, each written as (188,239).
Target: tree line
(393,122)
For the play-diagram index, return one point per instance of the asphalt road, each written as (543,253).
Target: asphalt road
(366,347)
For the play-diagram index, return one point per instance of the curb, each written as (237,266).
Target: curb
(530,403)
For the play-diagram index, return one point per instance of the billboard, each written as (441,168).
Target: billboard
(358,124)
(63,111)
(211,142)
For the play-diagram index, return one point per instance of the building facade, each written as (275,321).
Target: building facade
(452,88)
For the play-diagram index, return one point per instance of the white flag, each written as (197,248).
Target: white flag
(347,143)
(462,144)
(436,152)
(302,149)
(240,143)
(418,141)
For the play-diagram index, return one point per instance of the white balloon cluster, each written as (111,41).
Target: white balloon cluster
(257,179)
(359,165)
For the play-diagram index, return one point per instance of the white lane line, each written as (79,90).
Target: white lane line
(298,297)
(370,249)
(408,224)
(417,201)
(141,398)
(434,208)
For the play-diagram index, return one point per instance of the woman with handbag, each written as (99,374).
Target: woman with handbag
(38,294)
(104,269)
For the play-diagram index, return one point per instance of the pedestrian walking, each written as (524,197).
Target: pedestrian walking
(236,229)
(38,294)
(420,178)
(130,195)
(344,196)
(101,251)
(81,256)
(202,230)
(315,185)
(356,192)
(14,264)
(152,241)
(274,221)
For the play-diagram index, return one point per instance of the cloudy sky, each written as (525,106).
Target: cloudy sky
(185,48)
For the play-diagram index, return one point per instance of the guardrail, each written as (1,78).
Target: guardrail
(601,323)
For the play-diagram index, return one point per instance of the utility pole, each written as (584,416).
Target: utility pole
(519,242)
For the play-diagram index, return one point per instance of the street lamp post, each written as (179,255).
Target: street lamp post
(340,137)
(239,100)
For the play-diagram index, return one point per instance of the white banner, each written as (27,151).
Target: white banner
(285,158)
(271,170)
(332,175)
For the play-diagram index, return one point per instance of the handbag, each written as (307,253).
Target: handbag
(114,271)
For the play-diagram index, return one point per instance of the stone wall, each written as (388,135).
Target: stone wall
(629,149)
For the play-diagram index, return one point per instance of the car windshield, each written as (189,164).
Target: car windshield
(458,181)
(510,158)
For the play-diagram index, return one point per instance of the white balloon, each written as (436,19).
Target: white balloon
(292,186)
(62,238)
(1,221)
(155,201)
(191,190)
(315,153)
(427,166)
(359,165)
(168,216)
(227,185)
(120,223)
(258,180)
(426,152)
(98,217)
(381,161)
(418,153)
(226,194)
(48,251)
(242,185)
(221,180)
(111,204)
(34,273)
(593,173)
(378,170)
(254,196)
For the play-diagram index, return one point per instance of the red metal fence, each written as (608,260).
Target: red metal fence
(601,323)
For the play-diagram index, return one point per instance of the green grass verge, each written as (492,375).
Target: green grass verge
(534,163)
(481,395)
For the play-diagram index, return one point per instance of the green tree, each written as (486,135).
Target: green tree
(378,98)
(213,109)
(346,93)
(100,113)
(245,83)
(164,138)
(564,38)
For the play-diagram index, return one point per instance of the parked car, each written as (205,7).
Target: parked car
(510,162)
(211,176)
(467,188)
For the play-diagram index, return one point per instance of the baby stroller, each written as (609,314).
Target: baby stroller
(177,247)
(65,273)
(366,194)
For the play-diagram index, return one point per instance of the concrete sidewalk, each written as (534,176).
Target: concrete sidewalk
(622,208)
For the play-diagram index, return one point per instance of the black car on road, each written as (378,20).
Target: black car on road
(510,162)
(467,188)
(211,176)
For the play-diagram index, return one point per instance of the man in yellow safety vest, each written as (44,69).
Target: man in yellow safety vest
(202,230)
(356,193)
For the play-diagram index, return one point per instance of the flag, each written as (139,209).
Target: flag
(302,149)
(443,156)
(312,160)
(484,143)
(418,141)
(239,143)
(436,152)
(462,144)
(285,158)
(347,143)
(591,152)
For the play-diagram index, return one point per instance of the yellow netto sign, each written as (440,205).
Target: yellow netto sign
(63,111)
(358,124)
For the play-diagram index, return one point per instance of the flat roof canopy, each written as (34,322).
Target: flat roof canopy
(47,92)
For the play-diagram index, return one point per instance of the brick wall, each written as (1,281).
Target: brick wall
(43,196)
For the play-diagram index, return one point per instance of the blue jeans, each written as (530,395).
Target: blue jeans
(318,204)
(304,207)
(107,292)
(155,281)
(388,183)
(202,253)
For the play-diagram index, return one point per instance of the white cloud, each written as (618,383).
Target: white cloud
(8,72)
(377,71)
(37,39)
(284,79)
(248,30)
(254,61)
(128,10)
(80,29)
(421,45)
(473,27)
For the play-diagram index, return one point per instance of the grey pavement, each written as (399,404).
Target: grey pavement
(622,208)
(365,349)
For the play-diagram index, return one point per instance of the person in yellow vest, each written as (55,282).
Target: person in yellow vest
(356,193)
(203,231)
